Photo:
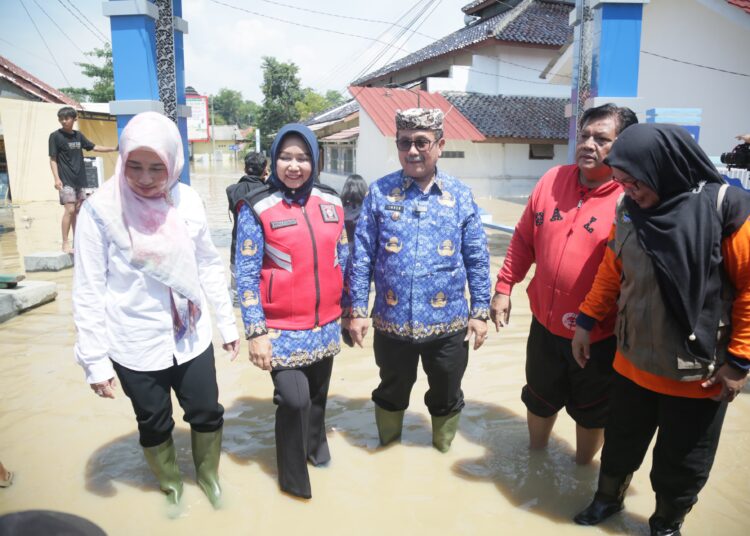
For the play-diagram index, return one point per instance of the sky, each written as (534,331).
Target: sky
(224,46)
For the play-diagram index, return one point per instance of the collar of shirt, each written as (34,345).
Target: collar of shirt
(437,181)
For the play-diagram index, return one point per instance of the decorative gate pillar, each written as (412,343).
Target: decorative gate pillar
(149,62)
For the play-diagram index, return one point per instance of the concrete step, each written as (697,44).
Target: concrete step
(48,261)
(27,295)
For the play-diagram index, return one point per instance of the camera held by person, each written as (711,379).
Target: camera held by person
(740,155)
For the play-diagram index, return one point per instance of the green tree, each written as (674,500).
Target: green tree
(281,91)
(230,108)
(102,75)
(313,103)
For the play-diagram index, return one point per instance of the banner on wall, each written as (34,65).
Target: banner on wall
(198,122)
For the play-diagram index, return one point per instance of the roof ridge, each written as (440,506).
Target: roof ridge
(513,15)
(36,82)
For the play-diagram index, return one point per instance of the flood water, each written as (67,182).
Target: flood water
(76,453)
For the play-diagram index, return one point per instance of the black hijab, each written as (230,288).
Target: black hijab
(682,234)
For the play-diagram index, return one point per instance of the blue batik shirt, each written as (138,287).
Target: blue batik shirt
(421,249)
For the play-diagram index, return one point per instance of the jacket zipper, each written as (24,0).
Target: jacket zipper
(567,239)
(315,264)
(270,286)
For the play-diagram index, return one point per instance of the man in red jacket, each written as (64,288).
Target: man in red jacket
(564,231)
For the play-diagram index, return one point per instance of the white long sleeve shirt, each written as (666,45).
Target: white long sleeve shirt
(125,315)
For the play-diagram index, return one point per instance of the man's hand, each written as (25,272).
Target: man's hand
(260,350)
(500,310)
(581,346)
(478,329)
(731,380)
(358,329)
(58,184)
(233,347)
(745,138)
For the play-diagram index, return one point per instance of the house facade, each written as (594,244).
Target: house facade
(488,75)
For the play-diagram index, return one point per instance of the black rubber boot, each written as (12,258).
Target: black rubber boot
(667,519)
(608,499)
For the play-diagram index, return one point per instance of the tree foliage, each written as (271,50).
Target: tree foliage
(281,91)
(313,103)
(230,108)
(103,78)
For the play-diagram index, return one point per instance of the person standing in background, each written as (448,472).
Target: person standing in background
(66,147)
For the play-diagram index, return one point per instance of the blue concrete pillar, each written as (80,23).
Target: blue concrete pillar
(148,60)
(607,41)
(617,49)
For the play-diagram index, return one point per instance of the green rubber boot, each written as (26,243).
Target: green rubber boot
(444,430)
(162,459)
(389,424)
(206,452)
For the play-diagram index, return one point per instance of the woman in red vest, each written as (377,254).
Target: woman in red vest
(291,246)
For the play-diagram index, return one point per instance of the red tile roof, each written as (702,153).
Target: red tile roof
(382,103)
(742,4)
(32,85)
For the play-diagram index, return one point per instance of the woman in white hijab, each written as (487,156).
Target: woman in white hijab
(145,272)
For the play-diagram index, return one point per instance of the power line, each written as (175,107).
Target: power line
(297,23)
(58,27)
(103,37)
(694,64)
(336,15)
(78,19)
(338,68)
(393,42)
(45,43)
(427,16)
(46,60)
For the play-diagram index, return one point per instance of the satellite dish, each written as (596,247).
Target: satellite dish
(470,19)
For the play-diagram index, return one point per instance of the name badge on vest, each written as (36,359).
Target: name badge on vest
(283,223)
(329,213)
(396,208)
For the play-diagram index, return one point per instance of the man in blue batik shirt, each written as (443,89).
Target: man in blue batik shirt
(421,237)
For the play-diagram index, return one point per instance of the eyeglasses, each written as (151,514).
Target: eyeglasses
(422,144)
(628,184)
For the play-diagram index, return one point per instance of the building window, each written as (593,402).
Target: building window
(452,154)
(340,159)
(541,151)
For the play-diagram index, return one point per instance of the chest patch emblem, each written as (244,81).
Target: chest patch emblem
(393,245)
(446,249)
(396,195)
(329,213)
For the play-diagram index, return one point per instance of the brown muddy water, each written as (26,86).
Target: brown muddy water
(76,453)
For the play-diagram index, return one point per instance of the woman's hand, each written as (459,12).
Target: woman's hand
(260,349)
(105,389)
(581,346)
(233,347)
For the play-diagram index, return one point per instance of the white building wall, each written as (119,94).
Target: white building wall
(706,32)
(502,70)
(490,169)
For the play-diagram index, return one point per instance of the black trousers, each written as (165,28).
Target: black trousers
(193,382)
(301,395)
(686,441)
(443,360)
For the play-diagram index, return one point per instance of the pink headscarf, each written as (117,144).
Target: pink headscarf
(148,230)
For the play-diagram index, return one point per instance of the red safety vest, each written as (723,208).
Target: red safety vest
(300,280)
